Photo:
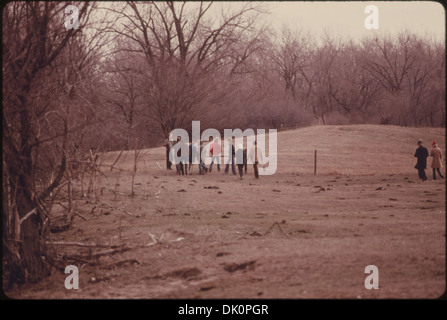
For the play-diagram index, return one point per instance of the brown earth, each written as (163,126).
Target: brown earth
(290,235)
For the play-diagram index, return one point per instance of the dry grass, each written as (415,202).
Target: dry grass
(289,235)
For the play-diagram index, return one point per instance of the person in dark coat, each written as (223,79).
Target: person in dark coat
(254,155)
(191,158)
(231,161)
(202,167)
(245,160)
(182,167)
(422,154)
(240,160)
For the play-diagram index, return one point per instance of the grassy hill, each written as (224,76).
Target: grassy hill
(347,149)
(354,149)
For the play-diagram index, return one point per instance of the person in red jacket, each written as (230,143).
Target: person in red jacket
(215,153)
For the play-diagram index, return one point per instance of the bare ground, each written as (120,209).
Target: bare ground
(290,235)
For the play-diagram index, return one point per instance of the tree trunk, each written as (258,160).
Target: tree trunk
(30,234)
(33,265)
(30,266)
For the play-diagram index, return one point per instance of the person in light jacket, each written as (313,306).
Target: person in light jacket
(436,162)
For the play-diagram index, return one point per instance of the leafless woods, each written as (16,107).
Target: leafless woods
(134,71)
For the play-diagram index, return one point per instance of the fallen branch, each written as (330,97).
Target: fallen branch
(120,209)
(80,216)
(143,195)
(121,193)
(65,257)
(103,253)
(78,244)
(276,223)
(95,164)
(110,252)
(120,263)
(154,240)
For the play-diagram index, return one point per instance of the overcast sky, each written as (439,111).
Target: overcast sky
(347,18)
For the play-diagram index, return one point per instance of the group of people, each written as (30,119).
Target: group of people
(422,154)
(240,157)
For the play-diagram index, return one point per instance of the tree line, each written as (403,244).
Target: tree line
(172,66)
(134,71)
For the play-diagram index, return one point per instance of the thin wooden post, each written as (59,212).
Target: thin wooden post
(315,162)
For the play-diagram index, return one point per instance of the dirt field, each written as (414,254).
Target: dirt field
(290,235)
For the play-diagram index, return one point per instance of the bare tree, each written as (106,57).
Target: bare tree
(34,42)
(403,67)
(182,49)
(352,90)
(123,93)
(418,83)
(325,62)
(293,56)
(389,61)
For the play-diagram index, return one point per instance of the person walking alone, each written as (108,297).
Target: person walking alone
(421,154)
(436,162)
